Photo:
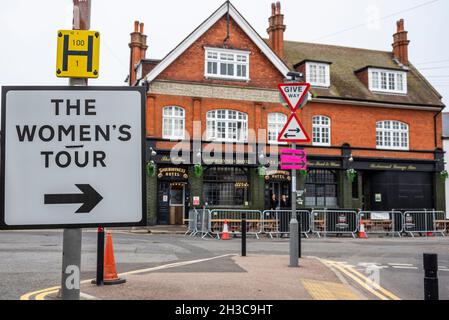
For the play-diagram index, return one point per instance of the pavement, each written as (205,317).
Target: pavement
(263,277)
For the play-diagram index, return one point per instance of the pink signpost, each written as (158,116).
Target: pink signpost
(293,159)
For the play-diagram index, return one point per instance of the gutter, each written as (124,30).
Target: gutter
(376,104)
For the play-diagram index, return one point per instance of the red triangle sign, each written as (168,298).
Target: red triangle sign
(294,131)
(294,93)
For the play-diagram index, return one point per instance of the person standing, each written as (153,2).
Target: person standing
(274,204)
(284,216)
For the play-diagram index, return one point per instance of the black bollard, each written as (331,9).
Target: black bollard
(299,236)
(100,257)
(431,277)
(243,235)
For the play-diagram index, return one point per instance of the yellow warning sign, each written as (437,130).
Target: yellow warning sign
(78,54)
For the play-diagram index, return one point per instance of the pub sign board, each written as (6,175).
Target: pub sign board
(72,157)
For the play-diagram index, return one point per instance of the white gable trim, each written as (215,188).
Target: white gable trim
(206,25)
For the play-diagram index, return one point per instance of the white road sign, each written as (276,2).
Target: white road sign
(293,131)
(72,157)
(294,94)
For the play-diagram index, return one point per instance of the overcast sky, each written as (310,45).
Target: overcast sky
(28,31)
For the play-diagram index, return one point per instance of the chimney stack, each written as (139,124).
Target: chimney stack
(400,44)
(276,30)
(138,46)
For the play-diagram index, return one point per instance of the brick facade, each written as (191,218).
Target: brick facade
(353,126)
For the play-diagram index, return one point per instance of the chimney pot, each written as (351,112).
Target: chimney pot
(136,26)
(276,29)
(400,43)
(141,27)
(400,25)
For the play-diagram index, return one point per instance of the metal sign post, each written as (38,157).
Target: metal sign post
(294,227)
(72,238)
(294,132)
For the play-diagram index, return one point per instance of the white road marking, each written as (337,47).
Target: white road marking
(401,264)
(405,267)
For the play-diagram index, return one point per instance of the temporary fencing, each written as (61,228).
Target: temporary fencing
(277,222)
(382,222)
(338,222)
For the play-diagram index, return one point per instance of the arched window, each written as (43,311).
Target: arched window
(226,186)
(321,131)
(392,135)
(227,125)
(276,122)
(321,189)
(173,123)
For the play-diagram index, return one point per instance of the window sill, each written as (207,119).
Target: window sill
(389,93)
(173,138)
(392,149)
(226,79)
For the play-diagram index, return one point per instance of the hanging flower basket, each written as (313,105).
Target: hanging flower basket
(303,173)
(151,169)
(444,174)
(262,171)
(351,174)
(198,170)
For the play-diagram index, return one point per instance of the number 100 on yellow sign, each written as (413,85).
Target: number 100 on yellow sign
(78,54)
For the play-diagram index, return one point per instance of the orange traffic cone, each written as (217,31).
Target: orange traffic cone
(110,273)
(362,233)
(225,233)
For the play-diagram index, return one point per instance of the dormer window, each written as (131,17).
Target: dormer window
(227,64)
(318,74)
(388,81)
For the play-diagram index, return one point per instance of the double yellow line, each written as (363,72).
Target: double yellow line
(40,294)
(366,283)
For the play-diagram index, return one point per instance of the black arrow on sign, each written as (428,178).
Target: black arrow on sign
(89,197)
(297,130)
(286,136)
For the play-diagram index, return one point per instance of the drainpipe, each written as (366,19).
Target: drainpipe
(435,127)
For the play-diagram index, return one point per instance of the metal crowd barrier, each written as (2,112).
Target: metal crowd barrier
(191,223)
(277,222)
(425,222)
(337,222)
(382,222)
(202,223)
(254,222)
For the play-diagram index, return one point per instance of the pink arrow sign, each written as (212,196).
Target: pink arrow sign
(293,159)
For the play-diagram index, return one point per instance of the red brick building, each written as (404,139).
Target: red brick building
(371,111)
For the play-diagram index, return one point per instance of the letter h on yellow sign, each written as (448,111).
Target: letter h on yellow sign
(78,54)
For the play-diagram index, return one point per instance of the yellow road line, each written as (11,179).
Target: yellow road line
(28,295)
(42,296)
(363,281)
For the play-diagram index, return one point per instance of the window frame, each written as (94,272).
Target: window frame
(319,182)
(279,126)
(327,76)
(321,126)
(219,178)
(227,120)
(383,81)
(391,134)
(234,62)
(173,118)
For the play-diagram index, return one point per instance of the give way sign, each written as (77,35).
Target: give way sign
(294,94)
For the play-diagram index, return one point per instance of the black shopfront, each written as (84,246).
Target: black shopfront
(234,182)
